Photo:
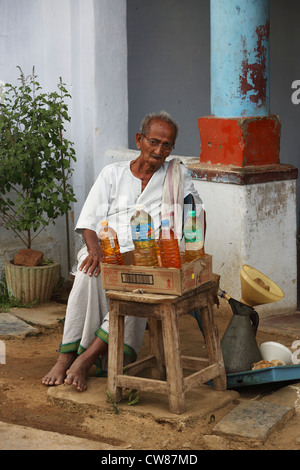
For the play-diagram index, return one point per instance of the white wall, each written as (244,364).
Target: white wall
(84,42)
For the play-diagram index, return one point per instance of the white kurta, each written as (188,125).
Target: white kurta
(113,196)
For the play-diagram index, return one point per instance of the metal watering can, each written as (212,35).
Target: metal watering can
(239,347)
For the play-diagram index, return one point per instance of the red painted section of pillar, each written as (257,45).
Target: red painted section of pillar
(241,141)
(253,77)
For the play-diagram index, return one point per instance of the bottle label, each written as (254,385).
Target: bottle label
(143,232)
(112,242)
(193,236)
(194,246)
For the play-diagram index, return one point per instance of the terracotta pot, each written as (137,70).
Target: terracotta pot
(32,283)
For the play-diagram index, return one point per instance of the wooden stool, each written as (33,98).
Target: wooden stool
(165,360)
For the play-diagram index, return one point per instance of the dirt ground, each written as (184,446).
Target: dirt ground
(23,399)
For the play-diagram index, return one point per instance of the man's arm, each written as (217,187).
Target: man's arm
(91,264)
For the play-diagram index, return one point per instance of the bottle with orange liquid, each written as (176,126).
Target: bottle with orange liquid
(193,237)
(169,247)
(158,253)
(109,244)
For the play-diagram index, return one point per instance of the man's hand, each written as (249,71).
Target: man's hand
(91,264)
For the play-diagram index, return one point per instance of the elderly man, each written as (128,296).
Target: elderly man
(117,190)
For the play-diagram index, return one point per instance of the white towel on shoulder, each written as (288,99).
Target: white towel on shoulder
(172,199)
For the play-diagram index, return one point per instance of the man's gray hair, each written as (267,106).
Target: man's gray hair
(161,116)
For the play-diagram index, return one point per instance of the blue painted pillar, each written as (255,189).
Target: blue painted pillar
(240,76)
(240,130)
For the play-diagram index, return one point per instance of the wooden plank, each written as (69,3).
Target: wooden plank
(141,383)
(213,344)
(194,363)
(140,309)
(201,377)
(191,304)
(171,339)
(115,350)
(137,366)
(144,297)
(157,348)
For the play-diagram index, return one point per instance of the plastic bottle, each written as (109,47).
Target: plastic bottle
(169,247)
(109,244)
(193,237)
(143,237)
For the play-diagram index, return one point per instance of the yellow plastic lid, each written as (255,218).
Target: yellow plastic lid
(104,222)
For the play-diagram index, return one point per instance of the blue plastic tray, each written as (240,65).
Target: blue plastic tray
(263,376)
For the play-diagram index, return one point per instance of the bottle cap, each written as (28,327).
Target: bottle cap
(165,223)
(139,207)
(104,222)
(192,213)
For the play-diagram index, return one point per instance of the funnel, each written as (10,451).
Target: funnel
(258,289)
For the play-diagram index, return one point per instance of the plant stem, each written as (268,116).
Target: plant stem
(67,213)
(28,239)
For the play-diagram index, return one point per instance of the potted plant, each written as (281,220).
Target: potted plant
(35,167)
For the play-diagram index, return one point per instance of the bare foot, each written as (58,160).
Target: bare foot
(57,374)
(77,374)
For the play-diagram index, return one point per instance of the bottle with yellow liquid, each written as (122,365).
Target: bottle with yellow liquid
(143,237)
(193,237)
(109,244)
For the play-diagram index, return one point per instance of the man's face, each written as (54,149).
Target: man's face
(157,144)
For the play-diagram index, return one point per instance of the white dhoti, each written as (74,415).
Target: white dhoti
(87,315)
